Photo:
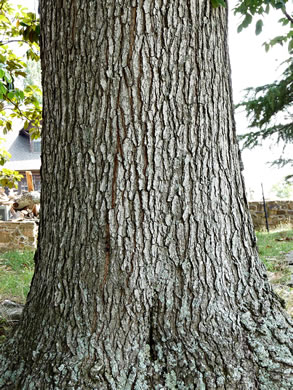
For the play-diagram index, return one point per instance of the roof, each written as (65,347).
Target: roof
(23,158)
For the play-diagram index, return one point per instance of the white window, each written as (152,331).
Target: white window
(36,146)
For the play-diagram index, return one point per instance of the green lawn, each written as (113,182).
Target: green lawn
(16,271)
(273,246)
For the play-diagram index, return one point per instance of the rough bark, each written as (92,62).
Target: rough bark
(147,275)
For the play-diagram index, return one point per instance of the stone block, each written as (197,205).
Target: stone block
(281,212)
(16,235)
(273,212)
(5,237)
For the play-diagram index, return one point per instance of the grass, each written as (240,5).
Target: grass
(273,246)
(16,271)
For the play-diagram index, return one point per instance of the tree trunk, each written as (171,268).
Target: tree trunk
(147,274)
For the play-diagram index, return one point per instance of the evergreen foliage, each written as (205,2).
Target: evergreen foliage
(269,107)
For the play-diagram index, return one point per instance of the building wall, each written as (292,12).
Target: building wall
(279,212)
(22,185)
(18,235)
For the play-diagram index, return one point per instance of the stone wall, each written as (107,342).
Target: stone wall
(279,212)
(18,235)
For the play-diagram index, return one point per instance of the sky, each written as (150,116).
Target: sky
(251,67)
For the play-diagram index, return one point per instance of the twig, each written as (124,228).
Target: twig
(287,15)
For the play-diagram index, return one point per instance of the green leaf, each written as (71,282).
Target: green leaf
(20,73)
(258,27)
(239,28)
(267,47)
(3,18)
(3,89)
(8,125)
(247,20)
(31,15)
(284,21)
(279,5)
(10,95)
(21,95)
(218,3)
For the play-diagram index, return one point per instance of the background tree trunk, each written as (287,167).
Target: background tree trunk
(147,274)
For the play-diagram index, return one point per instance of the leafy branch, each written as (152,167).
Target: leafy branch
(17,25)
(269,107)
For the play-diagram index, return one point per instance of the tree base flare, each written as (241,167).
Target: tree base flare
(256,356)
